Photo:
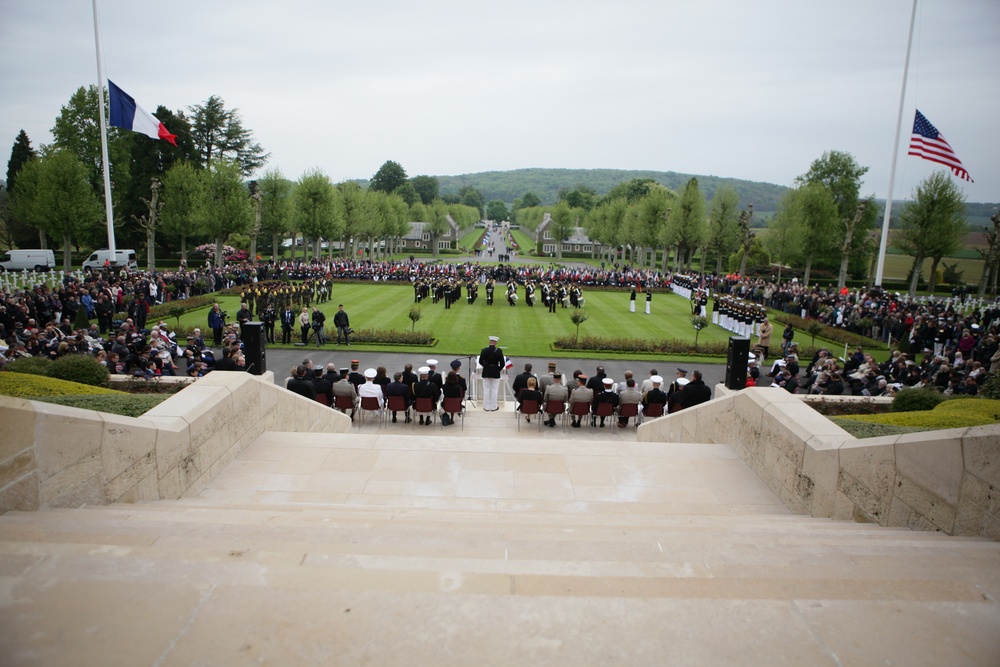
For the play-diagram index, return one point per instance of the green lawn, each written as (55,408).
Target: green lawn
(523,331)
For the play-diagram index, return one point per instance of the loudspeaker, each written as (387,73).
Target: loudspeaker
(254,346)
(736,362)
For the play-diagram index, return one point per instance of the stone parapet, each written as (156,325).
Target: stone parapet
(934,480)
(57,456)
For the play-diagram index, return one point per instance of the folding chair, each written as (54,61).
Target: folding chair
(370,404)
(323,399)
(580,410)
(396,404)
(554,408)
(424,406)
(529,408)
(344,403)
(454,405)
(652,411)
(604,410)
(628,410)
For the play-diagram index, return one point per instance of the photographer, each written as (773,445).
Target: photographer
(343,324)
(217,322)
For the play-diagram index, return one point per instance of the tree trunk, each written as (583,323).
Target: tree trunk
(918,262)
(809,263)
(151,249)
(983,280)
(218,252)
(743,263)
(932,281)
(41,239)
(184,248)
(275,247)
(67,252)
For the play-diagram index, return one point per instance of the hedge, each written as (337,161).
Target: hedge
(953,413)
(639,345)
(35,387)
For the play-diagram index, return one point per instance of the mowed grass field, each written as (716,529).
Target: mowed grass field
(897,267)
(523,331)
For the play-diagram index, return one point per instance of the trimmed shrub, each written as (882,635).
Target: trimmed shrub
(991,388)
(910,400)
(30,365)
(954,413)
(81,368)
(390,337)
(124,405)
(35,387)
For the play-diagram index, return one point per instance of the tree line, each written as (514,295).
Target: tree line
(174,196)
(823,222)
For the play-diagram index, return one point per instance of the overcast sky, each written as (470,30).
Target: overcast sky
(746,90)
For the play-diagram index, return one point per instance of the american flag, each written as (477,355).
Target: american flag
(928,143)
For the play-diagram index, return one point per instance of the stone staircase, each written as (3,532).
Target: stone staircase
(486,545)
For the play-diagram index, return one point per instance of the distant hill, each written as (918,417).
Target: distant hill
(546,183)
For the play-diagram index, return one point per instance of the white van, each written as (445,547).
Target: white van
(28,260)
(122,258)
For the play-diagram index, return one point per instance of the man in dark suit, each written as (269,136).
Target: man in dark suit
(287,325)
(228,363)
(694,392)
(399,388)
(596,383)
(301,385)
(521,380)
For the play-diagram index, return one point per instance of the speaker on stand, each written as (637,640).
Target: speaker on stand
(736,362)
(254,347)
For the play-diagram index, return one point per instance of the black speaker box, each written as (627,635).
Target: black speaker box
(254,347)
(736,362)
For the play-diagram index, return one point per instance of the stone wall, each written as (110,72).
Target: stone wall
(935,480)
(56,456)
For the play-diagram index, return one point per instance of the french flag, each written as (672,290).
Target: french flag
(129,115)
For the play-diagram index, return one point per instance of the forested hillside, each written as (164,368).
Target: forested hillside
(546,183)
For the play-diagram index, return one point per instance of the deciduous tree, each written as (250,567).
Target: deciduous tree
(183,203)
(932,224)
(315,207)
(389,176)
(54,195)
(275,207)
(496,210)
(427,187)
(228,208)
(723,236)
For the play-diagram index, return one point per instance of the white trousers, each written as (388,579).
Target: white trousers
(647,307)
(631,306)
(491,387)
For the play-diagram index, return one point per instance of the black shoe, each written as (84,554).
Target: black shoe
(575,424)
(393,418)
(551,423)
(408,419)
(421,421)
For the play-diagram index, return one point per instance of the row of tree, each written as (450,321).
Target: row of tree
(823,221)
(198,190)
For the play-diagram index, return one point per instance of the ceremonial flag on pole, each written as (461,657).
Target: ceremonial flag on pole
(129,115)
(929,144)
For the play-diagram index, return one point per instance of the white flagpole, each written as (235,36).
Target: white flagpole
(883,243)
(104,138)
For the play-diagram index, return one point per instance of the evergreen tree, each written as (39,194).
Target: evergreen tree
(20,154)
(218,133)
(15,231)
